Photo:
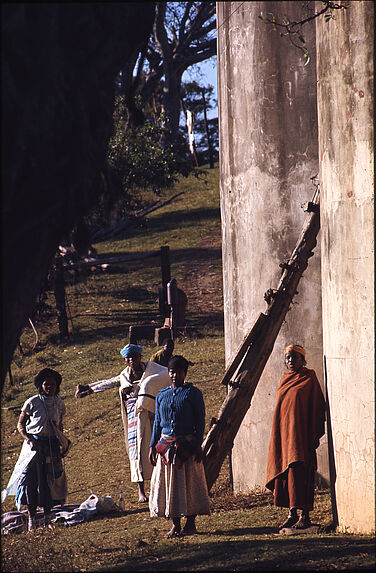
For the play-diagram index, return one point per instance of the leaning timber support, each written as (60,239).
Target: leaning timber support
(244,372)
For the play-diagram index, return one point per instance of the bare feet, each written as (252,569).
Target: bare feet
(174,532)
(141,492)
(290,522)
(189,530)
(303,523)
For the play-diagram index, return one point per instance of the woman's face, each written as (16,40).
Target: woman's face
(294,360)
(177,377)
(133,360)
(49,386)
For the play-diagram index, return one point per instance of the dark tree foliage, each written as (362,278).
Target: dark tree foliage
(137,161)
(59,64)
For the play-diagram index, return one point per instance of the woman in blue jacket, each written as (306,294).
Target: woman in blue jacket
(178,484)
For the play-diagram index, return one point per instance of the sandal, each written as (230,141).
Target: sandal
(302,523)
(290,522)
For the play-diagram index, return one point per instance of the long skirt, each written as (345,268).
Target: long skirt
(34,484)
(137,433)
(178,492)
(295,487)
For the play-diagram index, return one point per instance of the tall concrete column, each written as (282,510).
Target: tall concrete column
(268,153)
(345,109)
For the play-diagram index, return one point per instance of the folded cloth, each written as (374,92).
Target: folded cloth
(176,450)
(86,511)
(153,379)
(65,515)
(16,521)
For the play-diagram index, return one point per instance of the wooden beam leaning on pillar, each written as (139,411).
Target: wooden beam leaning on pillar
(245,370)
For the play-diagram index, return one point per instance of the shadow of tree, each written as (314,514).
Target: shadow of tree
(278,553)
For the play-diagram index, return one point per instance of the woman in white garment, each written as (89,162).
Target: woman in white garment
(38,479)
(139,384)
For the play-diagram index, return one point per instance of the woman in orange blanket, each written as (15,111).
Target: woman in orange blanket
(298,425)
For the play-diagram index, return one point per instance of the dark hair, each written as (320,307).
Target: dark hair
(167,341)
(47,373)
(178,363)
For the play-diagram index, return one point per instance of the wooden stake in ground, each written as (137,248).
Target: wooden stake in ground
(243,374)
(59,291)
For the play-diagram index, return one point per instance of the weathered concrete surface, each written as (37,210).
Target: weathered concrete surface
(268,153)
(345,110)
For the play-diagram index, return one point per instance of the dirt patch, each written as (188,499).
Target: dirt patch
(203,277)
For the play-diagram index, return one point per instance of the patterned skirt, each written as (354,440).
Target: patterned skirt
(34,484)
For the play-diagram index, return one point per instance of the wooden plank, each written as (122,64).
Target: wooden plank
(242,349)
(122,224)
(113,260)
(221,435)
(158,205)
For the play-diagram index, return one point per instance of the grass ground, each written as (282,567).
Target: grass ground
(240,534)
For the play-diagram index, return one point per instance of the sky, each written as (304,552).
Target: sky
(205,73)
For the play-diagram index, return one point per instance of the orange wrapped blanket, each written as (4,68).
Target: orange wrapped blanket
(298,423)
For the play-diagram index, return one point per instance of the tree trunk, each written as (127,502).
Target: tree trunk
(171,89)
(210,147)
(221,435)
(189,122)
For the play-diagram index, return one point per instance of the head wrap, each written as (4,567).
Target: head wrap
(131,349)
(295,347)
(178,362)
(47,373)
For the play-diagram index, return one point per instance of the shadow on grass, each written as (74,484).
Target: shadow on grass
(111,325)
(173,220)
(176,256)
(102,414)
(283,554)
(118,514)
(246,531)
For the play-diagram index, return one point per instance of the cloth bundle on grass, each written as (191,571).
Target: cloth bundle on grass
(63,515)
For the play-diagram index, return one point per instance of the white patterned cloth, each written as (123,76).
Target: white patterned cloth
(144,391)
(132,428)
(25,457)
(137,412)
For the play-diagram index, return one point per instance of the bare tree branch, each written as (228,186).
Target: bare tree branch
(293,30)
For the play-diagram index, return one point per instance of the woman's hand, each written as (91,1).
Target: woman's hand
(198,453)
(83,390)
(33,444)
(153,456)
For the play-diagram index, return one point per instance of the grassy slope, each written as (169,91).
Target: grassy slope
(240,533)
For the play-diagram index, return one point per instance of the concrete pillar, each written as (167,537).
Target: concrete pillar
(268,153)
(345,110)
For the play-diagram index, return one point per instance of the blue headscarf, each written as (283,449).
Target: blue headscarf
(131,349)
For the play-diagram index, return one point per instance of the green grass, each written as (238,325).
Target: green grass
(240,534)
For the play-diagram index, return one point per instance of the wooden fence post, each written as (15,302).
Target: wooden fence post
(59,291)
(166,277)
